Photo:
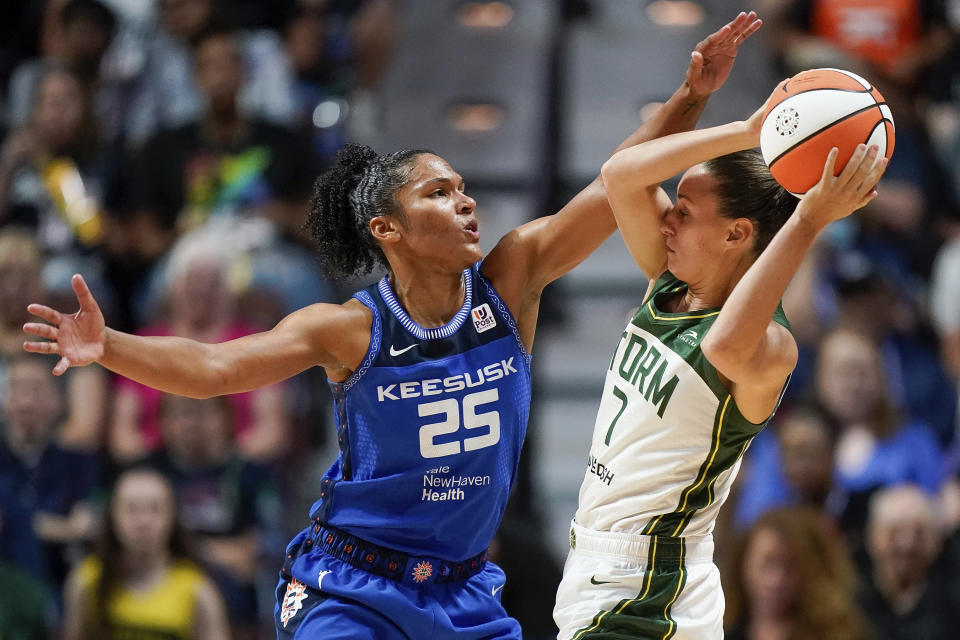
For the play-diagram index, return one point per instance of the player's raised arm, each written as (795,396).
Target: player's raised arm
(321,334)
(545,249)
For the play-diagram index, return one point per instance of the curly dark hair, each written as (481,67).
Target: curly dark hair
(360,186)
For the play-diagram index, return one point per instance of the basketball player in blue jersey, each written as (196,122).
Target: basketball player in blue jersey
(430,372)
(698,371)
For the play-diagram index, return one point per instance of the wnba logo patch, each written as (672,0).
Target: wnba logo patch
(292,600)
(483,318)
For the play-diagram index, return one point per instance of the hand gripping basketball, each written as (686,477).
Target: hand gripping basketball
(818,110)
(837,196)
(78,338)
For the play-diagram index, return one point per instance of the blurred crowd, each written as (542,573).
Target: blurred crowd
(166,150)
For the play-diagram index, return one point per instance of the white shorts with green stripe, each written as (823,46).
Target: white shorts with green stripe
(634,586)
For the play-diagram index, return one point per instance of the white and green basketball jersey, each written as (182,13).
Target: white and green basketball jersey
(668,438)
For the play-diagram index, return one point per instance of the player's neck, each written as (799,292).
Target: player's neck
(697,297)
(431,300)
(714,288)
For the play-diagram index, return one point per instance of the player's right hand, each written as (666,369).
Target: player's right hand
(78,338)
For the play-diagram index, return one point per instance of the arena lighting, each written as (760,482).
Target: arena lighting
(675,13)
(485,15)
(475,117)
(329,113)
(647,110)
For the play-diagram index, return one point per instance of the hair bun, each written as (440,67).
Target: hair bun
(353,159)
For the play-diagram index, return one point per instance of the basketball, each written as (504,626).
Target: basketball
(814,111)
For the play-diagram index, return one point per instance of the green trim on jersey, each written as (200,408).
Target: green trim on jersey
(647,615)
(732,432)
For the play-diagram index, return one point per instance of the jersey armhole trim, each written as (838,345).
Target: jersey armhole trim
(502,310)
(376,333)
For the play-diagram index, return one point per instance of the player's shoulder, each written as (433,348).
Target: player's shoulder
(349,312)
(326,325)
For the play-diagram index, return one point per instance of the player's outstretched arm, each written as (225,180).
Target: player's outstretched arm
(743,344)
(326,335)
(545,249)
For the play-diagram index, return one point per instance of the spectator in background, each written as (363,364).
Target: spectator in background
(945,305)
(229,505)
(18,543)
(142,582)
(791,464)
(906,595)
(54,485)
(20,282)
(790,577)
(874,299)
(224,162)
(25,609)
(53,173)
(19,36)
(877,445)
(892,42)
(80,33)
(200,306)
(171,99)
(318,46)
(339,51)
(840,285)
(871,442)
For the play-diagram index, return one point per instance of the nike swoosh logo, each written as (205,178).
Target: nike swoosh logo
(593,580)
(396,352)
(493,591)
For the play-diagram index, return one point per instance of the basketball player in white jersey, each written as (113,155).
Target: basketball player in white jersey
(698,371)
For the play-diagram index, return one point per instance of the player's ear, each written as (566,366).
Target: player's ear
(385,229)
(740,232)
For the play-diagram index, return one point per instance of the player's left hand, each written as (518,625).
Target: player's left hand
(837,196)
(712,59)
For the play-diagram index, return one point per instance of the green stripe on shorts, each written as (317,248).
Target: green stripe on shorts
(648,615)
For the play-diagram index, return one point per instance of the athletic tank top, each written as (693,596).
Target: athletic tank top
(164,612)
(668,437)
(430,427)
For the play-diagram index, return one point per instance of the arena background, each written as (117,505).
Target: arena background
(186,217)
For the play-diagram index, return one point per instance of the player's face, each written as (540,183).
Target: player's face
(143,512)
(692,229)
(440,218)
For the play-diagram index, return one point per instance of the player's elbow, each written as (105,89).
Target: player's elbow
(624,178)
(612,172)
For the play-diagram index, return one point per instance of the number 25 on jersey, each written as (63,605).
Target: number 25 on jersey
(451,423)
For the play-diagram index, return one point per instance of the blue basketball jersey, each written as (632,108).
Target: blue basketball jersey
(430,427)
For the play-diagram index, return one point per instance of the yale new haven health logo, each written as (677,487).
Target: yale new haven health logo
(483,318)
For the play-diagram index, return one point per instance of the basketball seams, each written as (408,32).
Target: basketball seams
(822,129)
(858,79)
(822,83)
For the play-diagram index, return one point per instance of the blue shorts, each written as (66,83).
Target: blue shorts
(322,596)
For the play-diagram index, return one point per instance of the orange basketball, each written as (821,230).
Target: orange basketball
(815,111)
